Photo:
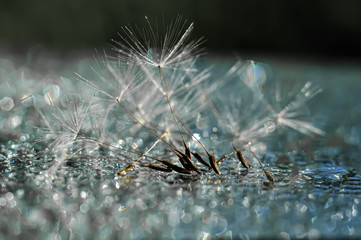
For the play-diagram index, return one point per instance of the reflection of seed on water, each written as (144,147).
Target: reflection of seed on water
(6,103)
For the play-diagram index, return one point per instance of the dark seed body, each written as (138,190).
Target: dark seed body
(214,165)
(200,159)
(191,164)
(125,170)
(269,175)
(158,167)
(187,162)
(175,167)
(242,159)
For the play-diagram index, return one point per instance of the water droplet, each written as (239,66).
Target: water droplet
(246,202)
(9,196)
(314,234)
(14,122)
(51,94)
(351,230)
(6,103)
(137,143)
(121,208)
(204,236)
(285,235)
(212,204)
(187,218)
(134,146)
(56,197)
(24,137)
(84,208)
(27,99)
(337,216)
(83,194)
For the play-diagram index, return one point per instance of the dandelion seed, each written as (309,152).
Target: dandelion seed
(245,117)
(288,115)
(146,46)
(153,88)
(67,120)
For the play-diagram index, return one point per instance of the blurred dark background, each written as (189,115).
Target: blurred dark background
(330,29)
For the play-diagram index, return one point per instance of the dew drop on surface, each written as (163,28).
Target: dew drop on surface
(6,103)
(121,208)
(201,209)
(204,236)
(246,202)
(260,73)
(24,137)
(314,234)
(9,196)
(351,229)
(51,94)
(212,204)
(116,182)
(205,134)
(84,208)
(27,99)
(222,226)
(135,146)
(285,236)
(12,203)
(337,216)
(354,211)
(56,197)
(187,218)
(2,202)
(83,194)
(120,143)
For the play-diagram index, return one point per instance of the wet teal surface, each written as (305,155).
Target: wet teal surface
(316,193)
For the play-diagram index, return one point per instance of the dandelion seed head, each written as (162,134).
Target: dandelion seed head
(67,122)
(154,89)
(291,115)
(158,47)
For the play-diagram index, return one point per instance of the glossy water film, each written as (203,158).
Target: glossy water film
(154,143)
